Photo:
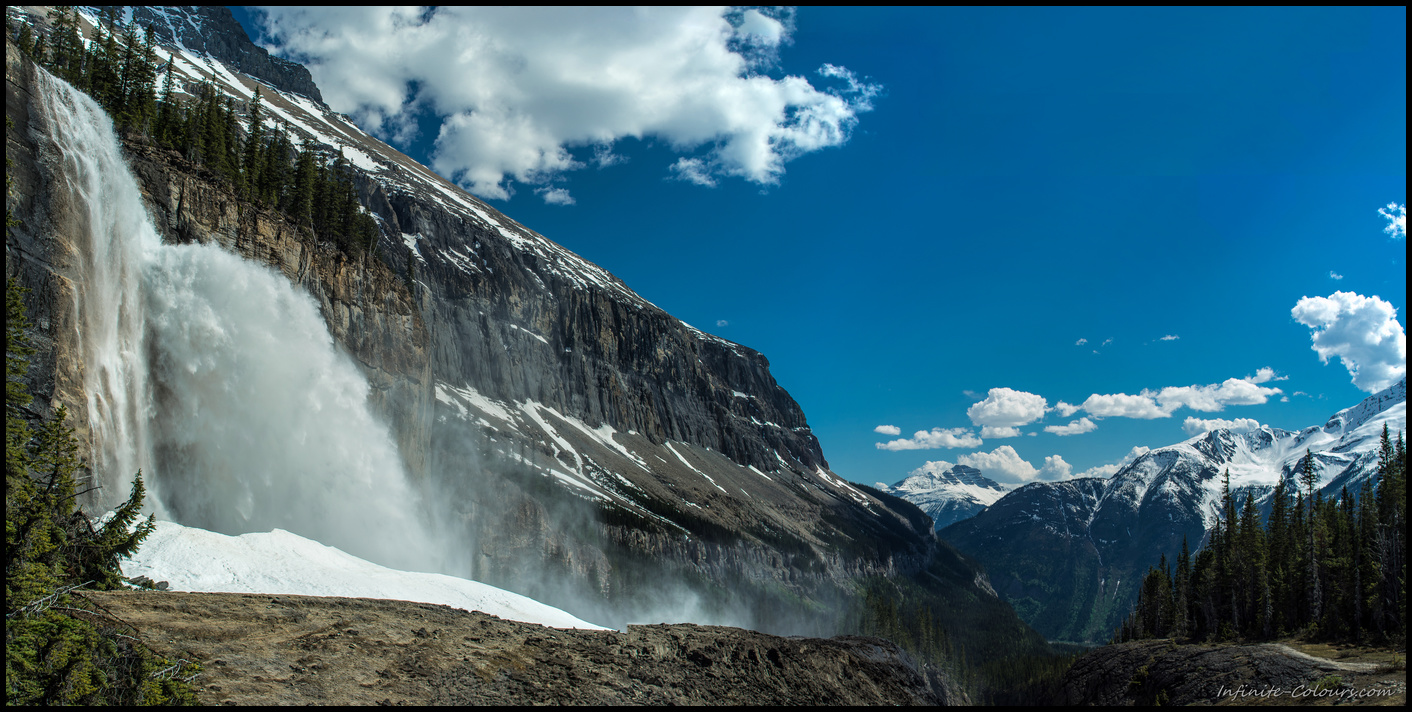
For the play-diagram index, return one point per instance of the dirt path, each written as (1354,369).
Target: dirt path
(1325,663)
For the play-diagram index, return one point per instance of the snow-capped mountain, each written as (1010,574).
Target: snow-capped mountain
(948,495)
(1068,555)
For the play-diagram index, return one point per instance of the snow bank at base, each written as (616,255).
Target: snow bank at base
(279,562)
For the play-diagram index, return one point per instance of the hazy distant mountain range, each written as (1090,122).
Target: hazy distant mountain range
(1068,555)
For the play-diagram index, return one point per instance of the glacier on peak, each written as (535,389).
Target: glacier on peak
(948,493)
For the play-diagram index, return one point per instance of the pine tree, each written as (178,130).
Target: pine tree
(250,165)
(305,178)
(52,549)
(1310,479)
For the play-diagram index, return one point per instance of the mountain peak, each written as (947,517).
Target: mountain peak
(213,30)
(946,492)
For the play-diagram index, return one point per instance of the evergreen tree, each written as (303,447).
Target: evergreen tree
(51,550)
(250,165)
(1310,479)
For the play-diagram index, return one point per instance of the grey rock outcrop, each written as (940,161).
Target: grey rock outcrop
(322,650)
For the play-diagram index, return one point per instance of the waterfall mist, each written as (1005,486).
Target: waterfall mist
(215,375)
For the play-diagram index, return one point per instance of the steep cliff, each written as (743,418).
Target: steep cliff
(583,446)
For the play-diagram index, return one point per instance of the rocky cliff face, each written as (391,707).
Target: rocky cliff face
(586,448)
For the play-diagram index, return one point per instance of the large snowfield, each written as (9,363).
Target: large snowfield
(279,562)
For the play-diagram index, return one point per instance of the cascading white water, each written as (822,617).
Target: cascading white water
(216,376)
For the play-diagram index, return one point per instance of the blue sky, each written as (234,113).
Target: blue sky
(955,202)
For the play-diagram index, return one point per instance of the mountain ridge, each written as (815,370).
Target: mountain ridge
(1069,555)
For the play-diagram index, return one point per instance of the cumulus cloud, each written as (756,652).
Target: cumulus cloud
(1111,469)
(1232,391)
(991,431)
(1396,220)
(1007,408)
(1197,426)
(516,90)
(1335,275)
(723,322)
(1149,404)
(1081,342)
(1170,337)
(555,196)
(1122,405)
(888,430)
(1003,464)
(1264,375)
(933,468)
(1363,332)
(933,439)
(1077,427)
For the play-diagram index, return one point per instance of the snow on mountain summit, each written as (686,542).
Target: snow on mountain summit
(948,493)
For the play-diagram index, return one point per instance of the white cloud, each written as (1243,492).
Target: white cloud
(1077,427)
(933,468)
(555,196)
(1122,405)
(1007,408)
(1111,469)
(1003,464)
(723,322)
(1396,220)
(764,30)
(936,438)
(1081,342)
(999,432)
(1362,331)
(517,89)
(888,430)
(1335,275)
(1149,405)
(693,170)
(1266,374)
(1197,426)
(1106,342)
(1233,391)
(1170,337)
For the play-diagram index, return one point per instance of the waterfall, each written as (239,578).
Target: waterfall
(214,374)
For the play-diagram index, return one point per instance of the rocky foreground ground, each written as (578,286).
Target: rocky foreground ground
(291,650)
(1162,672)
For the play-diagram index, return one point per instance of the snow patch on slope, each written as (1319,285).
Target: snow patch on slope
(279,562)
